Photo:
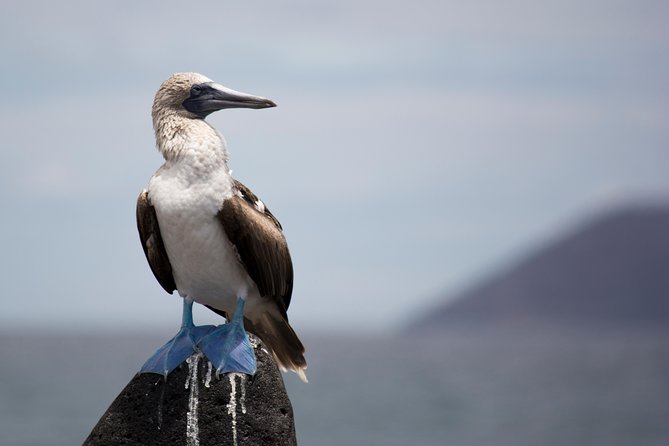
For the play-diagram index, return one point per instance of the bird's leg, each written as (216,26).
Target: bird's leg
(180,347)
(187,313)
(228,347)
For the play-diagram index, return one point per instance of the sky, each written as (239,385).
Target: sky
(416,147)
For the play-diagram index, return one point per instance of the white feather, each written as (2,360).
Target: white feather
(187,192)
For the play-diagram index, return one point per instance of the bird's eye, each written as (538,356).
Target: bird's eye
(195,90)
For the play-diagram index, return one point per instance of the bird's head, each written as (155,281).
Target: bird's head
(195,96)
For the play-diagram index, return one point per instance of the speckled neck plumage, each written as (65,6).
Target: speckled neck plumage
(184,139)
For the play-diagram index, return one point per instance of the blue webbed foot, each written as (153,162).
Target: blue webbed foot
(180,347)
(228,346)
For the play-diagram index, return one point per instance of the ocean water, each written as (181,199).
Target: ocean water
(457,389)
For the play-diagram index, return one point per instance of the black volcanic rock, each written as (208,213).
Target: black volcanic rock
(193,407)
(612,272)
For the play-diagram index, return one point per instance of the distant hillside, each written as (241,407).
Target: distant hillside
(612,271)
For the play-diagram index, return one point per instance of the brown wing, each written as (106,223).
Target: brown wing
(152,243)
(262,248)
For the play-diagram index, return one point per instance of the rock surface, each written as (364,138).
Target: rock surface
(193,407)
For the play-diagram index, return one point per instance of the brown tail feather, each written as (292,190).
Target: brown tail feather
(279,337)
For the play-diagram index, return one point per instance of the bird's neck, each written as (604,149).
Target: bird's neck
(191,142)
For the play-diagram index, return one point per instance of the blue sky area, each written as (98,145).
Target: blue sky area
(415,146)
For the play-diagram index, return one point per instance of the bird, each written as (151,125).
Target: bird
(210,238)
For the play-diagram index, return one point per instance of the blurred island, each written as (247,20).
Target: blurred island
(610,273)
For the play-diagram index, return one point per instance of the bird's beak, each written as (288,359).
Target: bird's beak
(209,97)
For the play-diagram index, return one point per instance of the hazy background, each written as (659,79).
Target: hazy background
(415,146)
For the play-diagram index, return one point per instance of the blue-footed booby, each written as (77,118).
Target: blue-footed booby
(211,239)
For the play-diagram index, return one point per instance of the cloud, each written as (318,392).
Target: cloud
(48,179)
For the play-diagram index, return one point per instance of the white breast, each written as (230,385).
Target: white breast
(205,265)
